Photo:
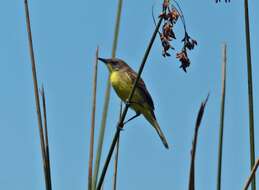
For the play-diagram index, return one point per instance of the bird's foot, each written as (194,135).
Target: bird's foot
(120,127)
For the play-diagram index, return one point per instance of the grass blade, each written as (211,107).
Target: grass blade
(107,98)
(36,94)
(222,111)
(101,135)
(252,175)
(91,149)
(194,144)
(250,90)
(46,138)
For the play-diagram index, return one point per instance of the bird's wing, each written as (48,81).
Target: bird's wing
(141,85)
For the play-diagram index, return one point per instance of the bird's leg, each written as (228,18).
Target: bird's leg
(135,116)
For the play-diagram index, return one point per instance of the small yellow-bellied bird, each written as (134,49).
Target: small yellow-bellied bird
(122,78)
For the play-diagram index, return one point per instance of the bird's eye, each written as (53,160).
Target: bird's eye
(113,63)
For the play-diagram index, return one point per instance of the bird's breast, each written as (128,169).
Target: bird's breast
(115,78)
(121,84)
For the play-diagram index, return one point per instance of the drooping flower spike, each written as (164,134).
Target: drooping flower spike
(170,15)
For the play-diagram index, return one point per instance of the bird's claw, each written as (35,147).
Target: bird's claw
(120,127)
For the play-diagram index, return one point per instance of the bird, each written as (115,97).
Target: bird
(122,78)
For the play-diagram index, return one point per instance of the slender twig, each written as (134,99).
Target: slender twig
(116,160)
(46,138)
(194,144)
(250,90)
(91,149)
(252,175)
(36,94)
(222,112)
(125,110)
(107,99)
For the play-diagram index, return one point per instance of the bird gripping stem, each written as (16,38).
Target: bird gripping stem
(124,113)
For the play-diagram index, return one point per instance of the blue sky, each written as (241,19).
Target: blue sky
(66,34)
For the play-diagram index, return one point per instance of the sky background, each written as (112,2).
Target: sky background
(66,34)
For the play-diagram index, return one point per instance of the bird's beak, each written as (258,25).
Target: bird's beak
(103,60)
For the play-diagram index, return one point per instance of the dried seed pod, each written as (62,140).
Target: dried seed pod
(183,58)
(173,15)
(189,43)
(170,15)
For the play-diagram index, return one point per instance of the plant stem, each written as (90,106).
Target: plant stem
(222,111)
(116,160)
(91,149)
(120,123)
(252,175)
(36,94)
(250,90)
(107,99)
(45,126)
(194,144)
(114,185)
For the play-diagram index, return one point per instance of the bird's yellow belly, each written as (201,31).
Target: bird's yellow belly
(122,85)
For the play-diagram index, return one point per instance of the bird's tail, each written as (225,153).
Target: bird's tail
(152,120)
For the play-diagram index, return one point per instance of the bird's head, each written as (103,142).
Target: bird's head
(113,64)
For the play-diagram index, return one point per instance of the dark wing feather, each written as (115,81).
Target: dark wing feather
(141,85)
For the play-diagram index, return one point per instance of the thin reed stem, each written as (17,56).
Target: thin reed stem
(91,149)
(116,160)
(107,99)
(252,175)
(222,112)
(250,90)
(36,94)
(194,144)
(45,126)
(120,123)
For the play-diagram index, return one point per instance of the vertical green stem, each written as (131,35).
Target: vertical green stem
(46,138)
(36,94)
(116,160)
(222,112)
(250,90)
(117,28)
(107,98)
(91,149)
(114,185)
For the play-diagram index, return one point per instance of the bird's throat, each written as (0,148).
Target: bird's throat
(121,84)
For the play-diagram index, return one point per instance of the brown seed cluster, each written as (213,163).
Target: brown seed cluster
(189,44)
(183,58)
(170,16)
